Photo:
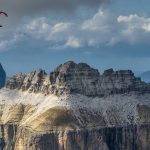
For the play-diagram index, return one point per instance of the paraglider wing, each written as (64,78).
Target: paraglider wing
(3,13)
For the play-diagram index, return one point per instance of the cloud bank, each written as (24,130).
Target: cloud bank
(104,28)
(26,7)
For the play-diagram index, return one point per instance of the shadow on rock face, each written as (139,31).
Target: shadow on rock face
(2,77)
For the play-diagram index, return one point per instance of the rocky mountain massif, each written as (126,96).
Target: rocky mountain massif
(78,78)
(75,108)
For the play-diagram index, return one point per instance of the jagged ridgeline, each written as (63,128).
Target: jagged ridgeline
(74,108)
(78,78)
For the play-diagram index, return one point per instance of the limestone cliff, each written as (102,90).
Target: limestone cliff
(116,138)
(78,78)
(75,108)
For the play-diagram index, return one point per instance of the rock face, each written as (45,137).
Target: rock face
(78,78)
(2,77)
(75,108)
(116,138)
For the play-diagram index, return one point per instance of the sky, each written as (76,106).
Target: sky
(103,33)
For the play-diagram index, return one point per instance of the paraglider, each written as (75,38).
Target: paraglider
(3,13)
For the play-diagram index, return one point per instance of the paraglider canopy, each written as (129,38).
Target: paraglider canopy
(3,13)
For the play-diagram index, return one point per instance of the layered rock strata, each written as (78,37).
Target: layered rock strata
(115,138)
(78,78)
(75,108)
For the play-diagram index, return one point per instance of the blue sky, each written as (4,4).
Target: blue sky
(104,34)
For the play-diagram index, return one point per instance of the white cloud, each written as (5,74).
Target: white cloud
(38,28)
(135,28)
(60,27)
(73,43)
(3,44)
(99,22)
(104,28)
(6,44)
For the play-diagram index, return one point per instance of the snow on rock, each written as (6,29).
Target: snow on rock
(78,91)
(114,109)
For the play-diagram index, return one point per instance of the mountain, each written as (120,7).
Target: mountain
(145,76)
(75,108)
(2,76)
